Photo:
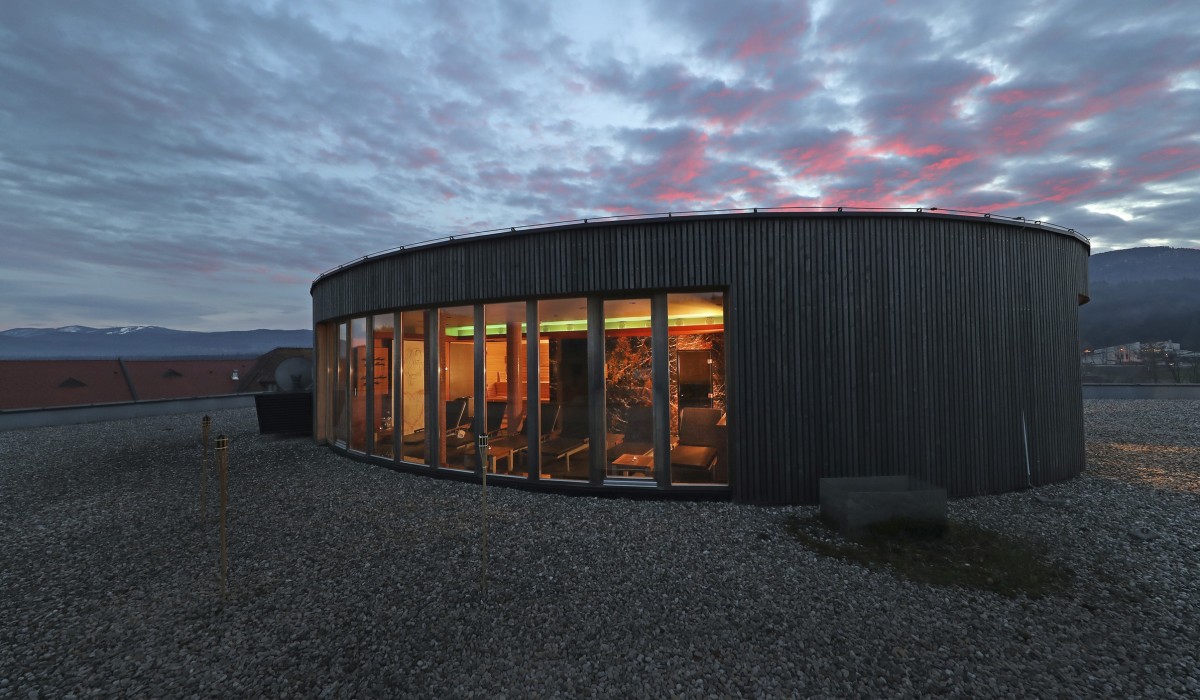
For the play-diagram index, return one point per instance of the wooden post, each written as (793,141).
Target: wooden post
(205,425)
(222,473)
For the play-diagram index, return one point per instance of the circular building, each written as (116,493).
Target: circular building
(741,356)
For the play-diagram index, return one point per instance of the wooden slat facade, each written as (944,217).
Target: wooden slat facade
(857,343)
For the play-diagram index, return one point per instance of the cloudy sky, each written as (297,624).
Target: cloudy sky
(197,164)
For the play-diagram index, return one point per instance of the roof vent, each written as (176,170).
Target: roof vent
(71,383)
(172,373)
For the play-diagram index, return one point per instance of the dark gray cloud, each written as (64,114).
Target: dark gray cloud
(196,164)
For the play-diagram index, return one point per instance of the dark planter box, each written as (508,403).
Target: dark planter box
(285,412)
(853,504)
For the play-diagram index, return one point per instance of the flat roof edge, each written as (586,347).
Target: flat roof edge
(750,213)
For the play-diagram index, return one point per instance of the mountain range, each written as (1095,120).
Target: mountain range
(143,341)
(1142,294)
(1138,294)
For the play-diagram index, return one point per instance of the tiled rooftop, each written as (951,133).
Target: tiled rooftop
(51,383)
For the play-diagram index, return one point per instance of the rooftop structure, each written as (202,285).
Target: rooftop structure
(28,384)
(735,355)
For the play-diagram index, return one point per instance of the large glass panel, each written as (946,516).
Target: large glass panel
(358,384)
(412,405)
(384,334)
(505,378)
(456,331)
(628,389)
(341,386)
(564,424)
(696,342)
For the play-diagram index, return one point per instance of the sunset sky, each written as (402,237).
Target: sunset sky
(196,164)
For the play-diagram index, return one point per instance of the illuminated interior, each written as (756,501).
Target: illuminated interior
(565,415)
(505,383)
(358,384)
(629,389)
(564,445)
(383,414)
(412,389)
(340,404)
(456,382)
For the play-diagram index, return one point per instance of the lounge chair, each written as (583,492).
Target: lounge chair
(512,439)
(569,439)
(496,410)
(413,444)
(694,457)
(639,433)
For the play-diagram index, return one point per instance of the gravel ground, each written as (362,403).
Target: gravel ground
(352,580)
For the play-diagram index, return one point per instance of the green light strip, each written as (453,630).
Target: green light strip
(581,325)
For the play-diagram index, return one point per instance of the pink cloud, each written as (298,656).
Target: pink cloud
(730,108)
(794,201)
(937,105)
(1067,188)
(499,178)
(900,146)
(622,210)
(424,157)
(1027,129)
(669,194)
(1044,113)
(678,165)
(1162,164)
(945,165)
(770,40)
(825,158)
(1061,190)
(759,32)
(753,182)
(878,194)
(1015,95)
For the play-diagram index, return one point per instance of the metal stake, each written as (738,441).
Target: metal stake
(222,472)
(205,425)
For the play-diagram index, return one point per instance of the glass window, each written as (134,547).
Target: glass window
(457,353)
(696,343)
(563,432)
(358,384)
(412,376)
(341,386)
(505,381)
(628,389)
(383,337)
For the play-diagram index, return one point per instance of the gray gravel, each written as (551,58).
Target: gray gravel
(352,580)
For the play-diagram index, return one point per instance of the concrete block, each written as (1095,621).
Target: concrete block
(852,504)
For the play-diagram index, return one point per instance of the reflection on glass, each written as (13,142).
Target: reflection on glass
(629,388)
(564,424)
(340,407)
(396,377)
(456,332)
(412,375)
(505,381)
(381,373)
(696,343)
(358,384)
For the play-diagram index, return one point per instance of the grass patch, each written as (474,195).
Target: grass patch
(962,555)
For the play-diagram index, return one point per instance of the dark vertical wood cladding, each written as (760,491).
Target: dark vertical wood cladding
(858,344)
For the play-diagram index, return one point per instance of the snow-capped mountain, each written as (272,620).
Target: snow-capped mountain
(142,341)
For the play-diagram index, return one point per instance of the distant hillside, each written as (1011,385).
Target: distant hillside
(142,341)
(1145,264)
(1143,294)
